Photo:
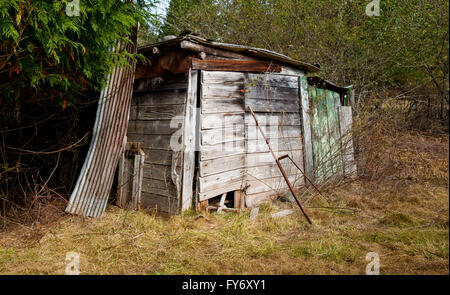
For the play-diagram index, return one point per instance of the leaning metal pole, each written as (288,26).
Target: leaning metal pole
(291,188)
(304,174)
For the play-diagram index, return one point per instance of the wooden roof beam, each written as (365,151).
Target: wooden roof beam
(236,65)
(187,45)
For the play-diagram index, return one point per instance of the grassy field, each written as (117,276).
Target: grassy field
(406,221)
(409,231)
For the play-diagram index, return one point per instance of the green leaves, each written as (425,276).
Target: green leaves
(57,51)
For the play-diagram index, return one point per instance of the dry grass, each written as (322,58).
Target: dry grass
(404,217)
(408,230)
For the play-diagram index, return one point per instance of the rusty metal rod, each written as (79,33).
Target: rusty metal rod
(282,157)
(291,188)
(310,181)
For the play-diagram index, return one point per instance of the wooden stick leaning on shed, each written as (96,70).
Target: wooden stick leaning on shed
(291,188)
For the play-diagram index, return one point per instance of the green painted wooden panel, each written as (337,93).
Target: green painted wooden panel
(338,159)
(326,143)
(325,133)
(315,136)
(333,132)
(320,131)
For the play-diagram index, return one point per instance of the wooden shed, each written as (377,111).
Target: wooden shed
(191,138)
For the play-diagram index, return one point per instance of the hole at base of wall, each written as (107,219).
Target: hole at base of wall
(214,202)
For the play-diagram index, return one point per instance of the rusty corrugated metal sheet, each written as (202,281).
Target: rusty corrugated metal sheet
(90,196)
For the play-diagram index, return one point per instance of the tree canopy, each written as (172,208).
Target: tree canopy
(407,44)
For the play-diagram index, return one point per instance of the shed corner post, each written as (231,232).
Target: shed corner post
(345,122)
(189,141)
(306,124)
(352,98)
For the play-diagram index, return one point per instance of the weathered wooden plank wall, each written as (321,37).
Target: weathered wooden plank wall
(333,104)
(222,148)
(275,100)
(157,118)
(319,130)
(233,153)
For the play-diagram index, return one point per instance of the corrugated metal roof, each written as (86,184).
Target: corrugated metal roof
(246,50)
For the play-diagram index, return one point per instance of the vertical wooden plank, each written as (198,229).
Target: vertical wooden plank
(136,184)
(315,134)
(121,193)
(189,141)
(345,121)
(138,171)
(333,131)
(141,176)
(197,191)
(239,200)
(203,206)
(242,199)
(352,98)
(339,153)
(222,203)
(307,140)
(323,136)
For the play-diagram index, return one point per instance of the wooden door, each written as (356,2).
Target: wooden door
(275,100)
(325,134)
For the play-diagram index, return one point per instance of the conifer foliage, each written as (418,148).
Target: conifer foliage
(44,49)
